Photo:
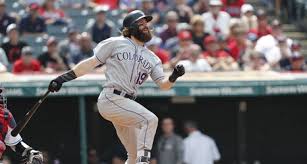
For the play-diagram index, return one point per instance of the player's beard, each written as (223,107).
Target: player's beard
(143,36)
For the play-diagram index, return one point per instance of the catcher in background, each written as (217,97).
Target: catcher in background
(7,123)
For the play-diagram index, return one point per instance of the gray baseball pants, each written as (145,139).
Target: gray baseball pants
(135,125)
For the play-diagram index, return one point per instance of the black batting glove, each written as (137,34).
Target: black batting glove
(177,72)
(55,85)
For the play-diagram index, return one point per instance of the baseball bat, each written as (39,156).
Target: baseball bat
(19,127)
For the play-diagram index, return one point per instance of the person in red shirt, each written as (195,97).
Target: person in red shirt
(154,46)
(26,64)
(233,7)
(51,14)
(263,26)
(238,46)
(219,59)
(112,4)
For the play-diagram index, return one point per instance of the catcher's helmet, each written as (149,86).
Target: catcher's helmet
(134,16)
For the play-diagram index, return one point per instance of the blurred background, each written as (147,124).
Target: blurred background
(245,89)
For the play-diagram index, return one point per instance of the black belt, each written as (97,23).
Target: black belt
(124,95)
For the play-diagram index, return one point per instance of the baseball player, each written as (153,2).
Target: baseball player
(27,154)
(128,65)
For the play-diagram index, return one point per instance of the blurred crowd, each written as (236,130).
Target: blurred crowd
(49,36)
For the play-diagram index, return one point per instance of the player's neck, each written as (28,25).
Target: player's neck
(137,41)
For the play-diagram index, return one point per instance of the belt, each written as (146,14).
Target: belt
(124,95)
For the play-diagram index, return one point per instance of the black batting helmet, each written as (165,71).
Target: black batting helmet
(134,16)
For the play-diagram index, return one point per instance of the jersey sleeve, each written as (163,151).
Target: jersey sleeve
(157,73)
(9,140)
(104,50)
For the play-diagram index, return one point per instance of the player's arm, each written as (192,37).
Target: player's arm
(168,82)
(78,70)
(101,53)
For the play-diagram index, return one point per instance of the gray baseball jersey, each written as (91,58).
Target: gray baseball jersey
(127,64)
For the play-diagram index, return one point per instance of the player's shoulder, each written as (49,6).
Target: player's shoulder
(114,39)
(153,56)
(117,41)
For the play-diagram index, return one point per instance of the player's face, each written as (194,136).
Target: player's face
(143,32)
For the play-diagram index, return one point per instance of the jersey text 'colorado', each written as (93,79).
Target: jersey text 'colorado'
(128,64)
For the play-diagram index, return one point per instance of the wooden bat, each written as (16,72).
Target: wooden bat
(19,127)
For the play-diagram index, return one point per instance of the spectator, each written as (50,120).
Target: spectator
(154,46)
(198,147)
(86,48)
(240,44)
(148,8)
(51,14)
(218,58)
(297,64)
(232,7)
(216,21)
(235,24)
(171,43)
(111,4)
(248,18)
(256,62)
(70,46)
(28,2)
(170,28)
(32,23)
(51,60)
(263,26)
(181,51)
(201,6)
(286,57)
(100,30)
(184,11)
(3,58)
(14,45)
(252,40)
(5,19)
(198,33)
(169,145)
(268,45)
(26,64)
(223,43)
(195,63)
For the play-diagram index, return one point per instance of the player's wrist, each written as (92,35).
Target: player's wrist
(172,78)
(68,76)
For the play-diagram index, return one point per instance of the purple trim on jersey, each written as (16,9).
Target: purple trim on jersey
(99,59)
(159,78)
(155,66)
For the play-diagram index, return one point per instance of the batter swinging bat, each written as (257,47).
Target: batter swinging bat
(29,115)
